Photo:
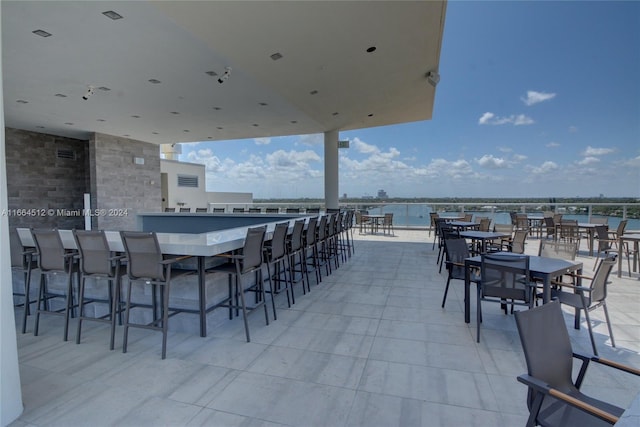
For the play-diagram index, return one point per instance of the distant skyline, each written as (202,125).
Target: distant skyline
(536,99)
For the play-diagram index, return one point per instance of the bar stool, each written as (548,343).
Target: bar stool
(275,252)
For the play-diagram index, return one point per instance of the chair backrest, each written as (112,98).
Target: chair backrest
(185,209)
(310,234)
(252,249)
(503,228)
(621,227)
(505,275)
(94,252)
(17,251)
(468,217)
(551,226)
(569,229)
(457,250)
(602,232)
(333,219)
(295,241)
(322,228)
(169,209)
(218,209)
(238,210)
(599,282)
(348,219)
(51,252)
(519,239)
(546,345)
(557,218)
(558,249)
(522,223)
(485,224)
(144,256)
(201,210)
(388,219)
(432,218)
(278,241)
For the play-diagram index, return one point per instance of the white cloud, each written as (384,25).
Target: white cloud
(519,157)
(635,162)
(573,129)
(588,161)
(545,168)
(552,145)
(592,151)
(534,97)
(364,148)
(490,162)
(505,149)
(262,141)
(489,118)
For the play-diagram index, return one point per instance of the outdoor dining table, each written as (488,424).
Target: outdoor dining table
(479,238)
(541,268)
(374,219)
(590,229)
(632,237)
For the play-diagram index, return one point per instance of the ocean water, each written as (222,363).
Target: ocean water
(418,215)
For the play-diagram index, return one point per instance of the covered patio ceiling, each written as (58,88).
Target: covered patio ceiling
(297,67)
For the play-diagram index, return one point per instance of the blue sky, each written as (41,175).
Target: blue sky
(536,99)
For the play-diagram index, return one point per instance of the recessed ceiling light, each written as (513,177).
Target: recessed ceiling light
(219,128)
(211,73)
(126,135)
(255,124)
(154,81)
(217,108)
(155,133)
(135,116)
(335,114)
(263,104)
(104,88)
(113,15)
(209,137)
(276,56)
(41,33)
(370,115)
(186,130)
(313,92)
(371,49)
(68,123)
(294,121)
(39,127)
(175,112)
(22,101)
(100,120)
(60,95)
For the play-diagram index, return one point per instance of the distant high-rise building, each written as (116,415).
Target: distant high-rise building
(382,194)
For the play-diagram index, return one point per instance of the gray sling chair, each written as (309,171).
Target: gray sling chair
(553,398)
(99,263)
(589,298)
(146,264)
(275,254)
(53,260)
(504,279)
(457,250)
(23,260)
(241,263)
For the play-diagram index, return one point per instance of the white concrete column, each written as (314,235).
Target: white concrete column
(331,169)
(10,389)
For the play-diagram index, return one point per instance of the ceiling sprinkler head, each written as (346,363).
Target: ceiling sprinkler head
(225,76)
(90,92)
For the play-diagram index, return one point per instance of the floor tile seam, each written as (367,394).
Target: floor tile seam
(430,366)
(306,327)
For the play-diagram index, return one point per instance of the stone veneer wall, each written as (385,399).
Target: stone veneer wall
(120,188)
(39,182)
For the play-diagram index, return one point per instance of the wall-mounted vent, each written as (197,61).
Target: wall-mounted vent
(65,154)
(188,181)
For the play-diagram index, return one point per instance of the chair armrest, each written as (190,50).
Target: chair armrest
(614,364)
(544,388)
(176,259)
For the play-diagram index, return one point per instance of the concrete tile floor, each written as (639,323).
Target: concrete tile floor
(368,346)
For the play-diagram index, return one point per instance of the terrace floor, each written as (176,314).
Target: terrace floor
(369,346)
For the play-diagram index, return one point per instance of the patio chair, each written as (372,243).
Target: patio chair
(387,224)
(218,210)
(569,231)
(516,245)
(98,262)
(554,399)
(239,264)
(272,210)
(185,210)
(293,210)
(310,248)
(169,209)
(363,223)
(432,222)
(615,235)
(238,210)
(504,277)
(485,224)
(295,253)
(255,210)
(54,260)
(201,210)
(522,222)
(589,298)
(502,243)
(562,250)
(275,254)
(457,250)
(146,265)
(550,227)
(23,259)
(467,217)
